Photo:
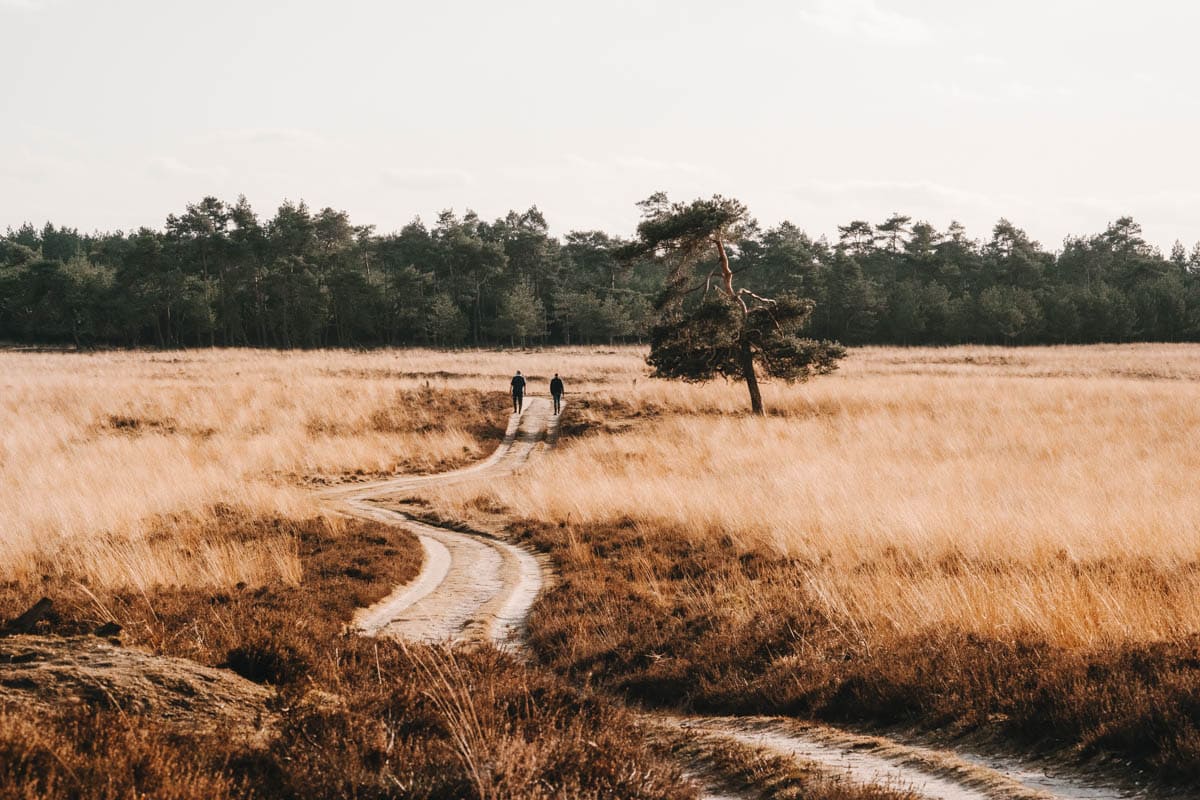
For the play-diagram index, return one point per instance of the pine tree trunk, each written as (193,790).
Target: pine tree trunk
(756,403)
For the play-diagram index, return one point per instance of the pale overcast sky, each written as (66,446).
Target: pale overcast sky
(1060,115)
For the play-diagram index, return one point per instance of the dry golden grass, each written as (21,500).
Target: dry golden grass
(1044,491)
(110,463)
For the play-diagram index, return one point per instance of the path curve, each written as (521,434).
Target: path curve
(471,588)
(477,588)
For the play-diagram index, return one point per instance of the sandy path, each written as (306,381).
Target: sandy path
(929,772)
(473,588)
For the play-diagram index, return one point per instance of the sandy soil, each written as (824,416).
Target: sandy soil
(929,772)
(471,587)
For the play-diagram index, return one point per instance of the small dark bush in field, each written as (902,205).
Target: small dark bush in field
(264,661)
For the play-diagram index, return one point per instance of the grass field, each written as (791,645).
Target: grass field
(967,539)
(114,464)
(1002,492)
(964,539)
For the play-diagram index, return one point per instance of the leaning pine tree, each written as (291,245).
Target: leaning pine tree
(726,331)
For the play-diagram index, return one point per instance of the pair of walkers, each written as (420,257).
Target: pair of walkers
(518,392)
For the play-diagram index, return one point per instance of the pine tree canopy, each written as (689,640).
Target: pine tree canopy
(728,332)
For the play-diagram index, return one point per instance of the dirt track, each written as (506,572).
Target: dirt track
(475,588)
(471,588)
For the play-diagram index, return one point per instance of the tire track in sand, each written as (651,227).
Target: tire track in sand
(472,588)
(477,588)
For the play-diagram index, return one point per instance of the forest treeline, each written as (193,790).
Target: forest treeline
(219,275)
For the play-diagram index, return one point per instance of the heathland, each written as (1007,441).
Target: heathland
(169,500)
(964,540)
(979,540)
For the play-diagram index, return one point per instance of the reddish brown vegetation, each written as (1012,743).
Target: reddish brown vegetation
(351,716)
(712,628)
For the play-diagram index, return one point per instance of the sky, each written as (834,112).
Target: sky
(1059,115)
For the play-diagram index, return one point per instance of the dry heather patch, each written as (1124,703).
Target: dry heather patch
(351,716)
(707,626)
(161,493)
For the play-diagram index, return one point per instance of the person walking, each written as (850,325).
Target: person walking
(518,392)
(556,391)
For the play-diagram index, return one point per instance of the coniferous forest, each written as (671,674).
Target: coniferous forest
(220,275)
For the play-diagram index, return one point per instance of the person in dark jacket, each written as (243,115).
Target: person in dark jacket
(518,392)
(556,391)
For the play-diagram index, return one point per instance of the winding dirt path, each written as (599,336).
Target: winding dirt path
(472,588)
(477,588)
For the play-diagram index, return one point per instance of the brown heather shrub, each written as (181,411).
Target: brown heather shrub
(110,756)
(986,540)
(677,623)
(354,717)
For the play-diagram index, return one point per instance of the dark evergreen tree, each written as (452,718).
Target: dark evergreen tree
(732,331)
(217,275)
